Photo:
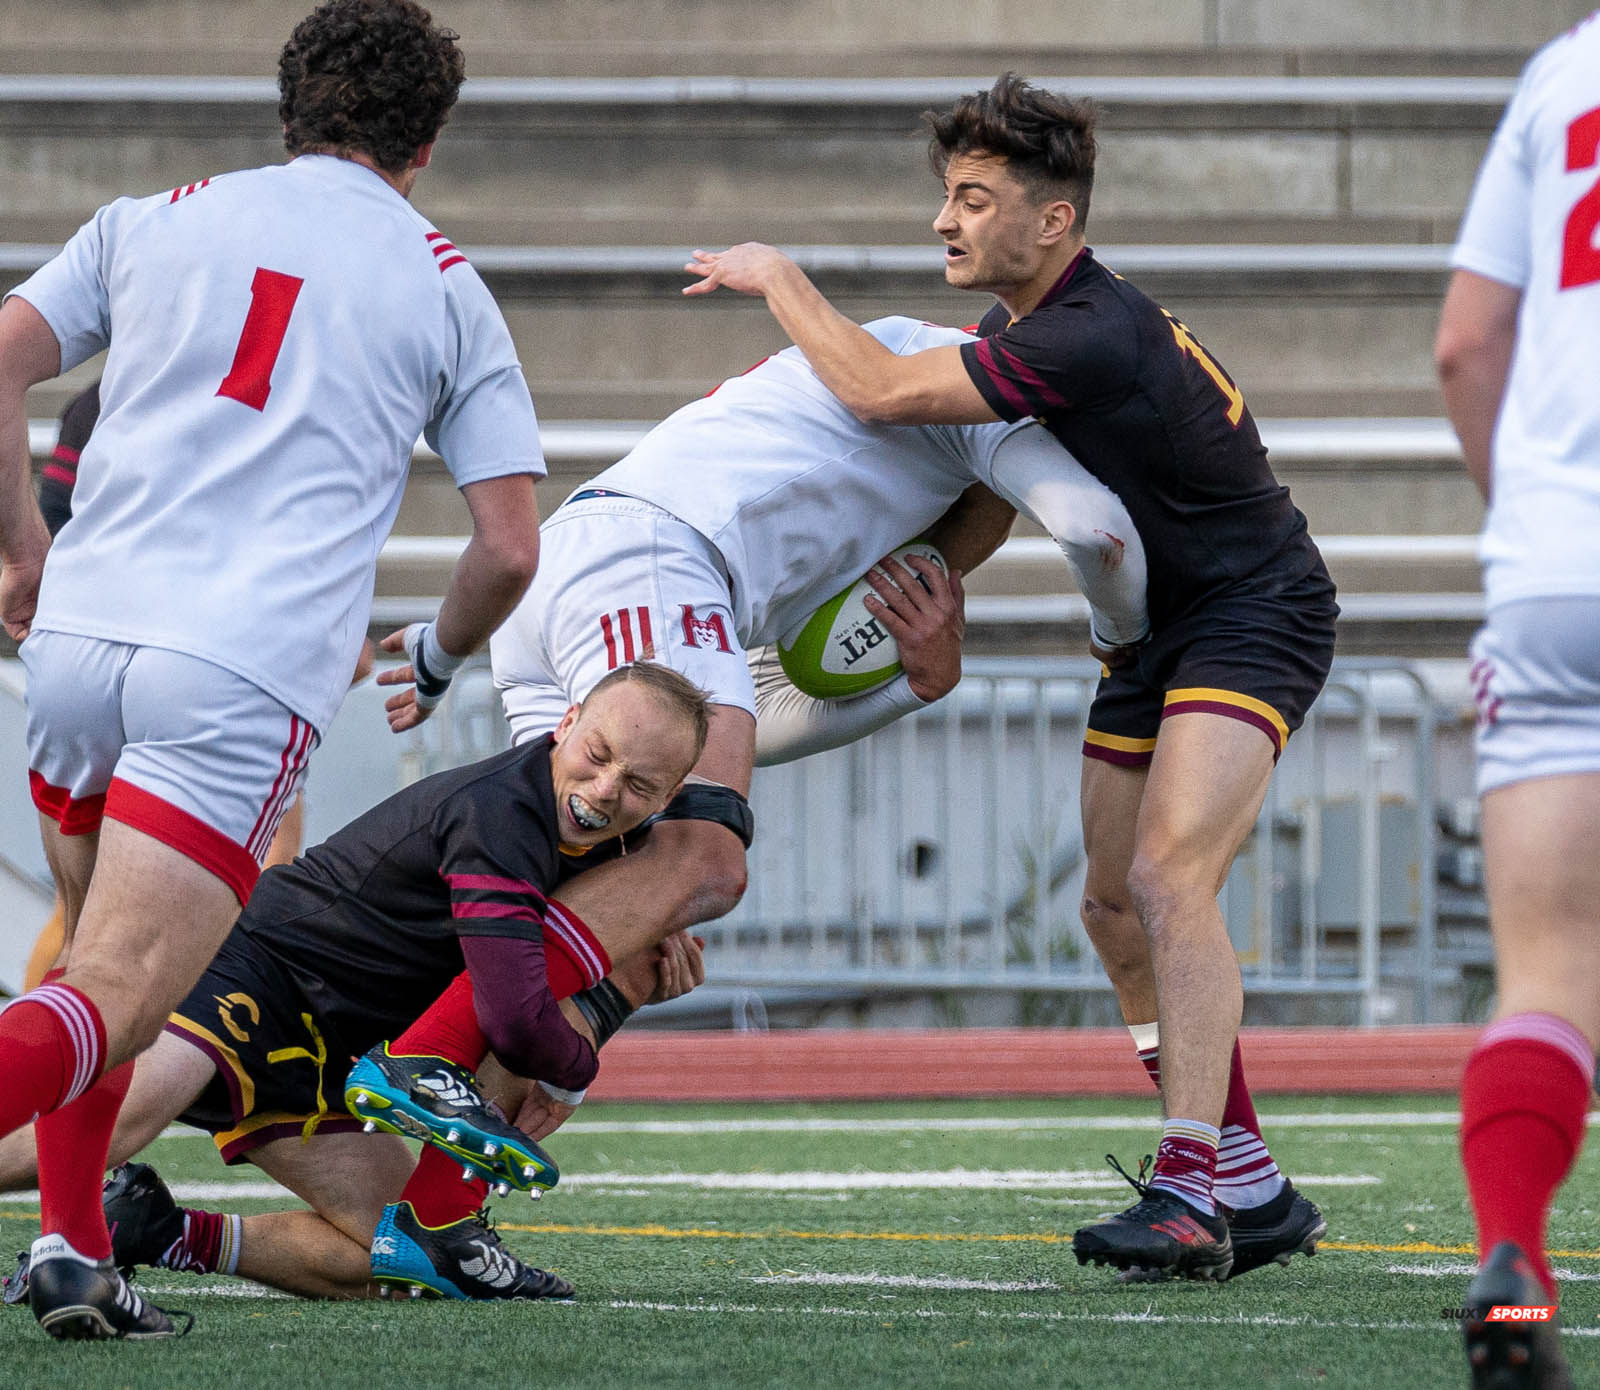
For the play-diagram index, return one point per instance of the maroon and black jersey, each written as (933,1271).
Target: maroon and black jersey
(369,923)
(60,475)
(1142,405)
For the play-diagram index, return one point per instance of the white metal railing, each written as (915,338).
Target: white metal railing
(944,852)
(1353,439)
(1244,259)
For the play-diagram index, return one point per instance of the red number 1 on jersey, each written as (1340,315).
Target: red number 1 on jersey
(272,297)
(1580,261)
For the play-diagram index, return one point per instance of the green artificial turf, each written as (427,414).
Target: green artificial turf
(706,1283)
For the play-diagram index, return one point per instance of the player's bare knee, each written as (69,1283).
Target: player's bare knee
(703,837)
(723,878)
(1155,888)
(1103,913)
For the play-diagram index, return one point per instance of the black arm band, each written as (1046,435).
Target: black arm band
(605,1008)
(426,682)
(713,802)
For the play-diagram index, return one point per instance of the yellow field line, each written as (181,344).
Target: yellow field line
(1415,1247)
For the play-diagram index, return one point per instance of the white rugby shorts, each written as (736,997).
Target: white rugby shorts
(1536,683)
(618,578)
(179,748)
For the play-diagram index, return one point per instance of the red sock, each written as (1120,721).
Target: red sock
(574,959)
(73,1144)
(52,1046)
(1523,1104)
(436,1190)
(449,1029)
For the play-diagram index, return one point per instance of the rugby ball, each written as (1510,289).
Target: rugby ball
(842,649)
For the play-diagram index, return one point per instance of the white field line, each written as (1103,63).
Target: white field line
(987,1315)
(910,1281)
(1374,1119)
(964,1179)
(245,1289)
(980,1179)
(1458,1270)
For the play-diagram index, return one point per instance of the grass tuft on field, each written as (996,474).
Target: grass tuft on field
(909,1245)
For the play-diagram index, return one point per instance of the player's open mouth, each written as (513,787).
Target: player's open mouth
(953,253)
(584,816)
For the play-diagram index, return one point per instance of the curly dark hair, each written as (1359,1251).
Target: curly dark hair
(369,76)
(1047,141)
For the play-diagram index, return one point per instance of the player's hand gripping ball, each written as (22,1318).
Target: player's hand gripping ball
(843,650)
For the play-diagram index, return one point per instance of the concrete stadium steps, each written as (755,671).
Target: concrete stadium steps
(1397,479)
(1395,515)
(605,332)
(834,36)
(712,159)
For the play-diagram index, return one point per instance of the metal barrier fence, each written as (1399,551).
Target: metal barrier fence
(944,852)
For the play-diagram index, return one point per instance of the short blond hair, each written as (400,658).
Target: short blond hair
(678,693)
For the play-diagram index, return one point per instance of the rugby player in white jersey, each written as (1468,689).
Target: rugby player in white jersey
(278,338)
(1519,354)
(723,531)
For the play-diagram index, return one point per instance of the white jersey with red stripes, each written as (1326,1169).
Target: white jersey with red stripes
(791,488)
(1532,224)
(278,338)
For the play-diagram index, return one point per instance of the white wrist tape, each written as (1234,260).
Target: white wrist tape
(565,1097)
(432,665)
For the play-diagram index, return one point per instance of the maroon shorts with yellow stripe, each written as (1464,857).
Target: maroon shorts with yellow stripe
(1258,658)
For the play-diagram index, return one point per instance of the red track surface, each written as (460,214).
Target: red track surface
(883,1064)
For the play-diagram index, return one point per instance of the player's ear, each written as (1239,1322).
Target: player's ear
(424,154)
(567,721)
(1056,221)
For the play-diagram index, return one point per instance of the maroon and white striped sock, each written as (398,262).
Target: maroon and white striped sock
(209,1244)
(1186,1162)
(1246,1176)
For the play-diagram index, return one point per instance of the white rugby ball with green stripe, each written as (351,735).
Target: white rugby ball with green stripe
(843,649)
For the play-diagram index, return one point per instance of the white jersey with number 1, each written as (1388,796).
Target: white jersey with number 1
(278,339)
(1532,224)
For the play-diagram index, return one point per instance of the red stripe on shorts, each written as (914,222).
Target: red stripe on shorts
(189,835)
(78,817)
(283,771)
(297,765)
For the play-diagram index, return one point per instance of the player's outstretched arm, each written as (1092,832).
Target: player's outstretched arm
(493,573)
(29,354)
(877,386)
(1090,525)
